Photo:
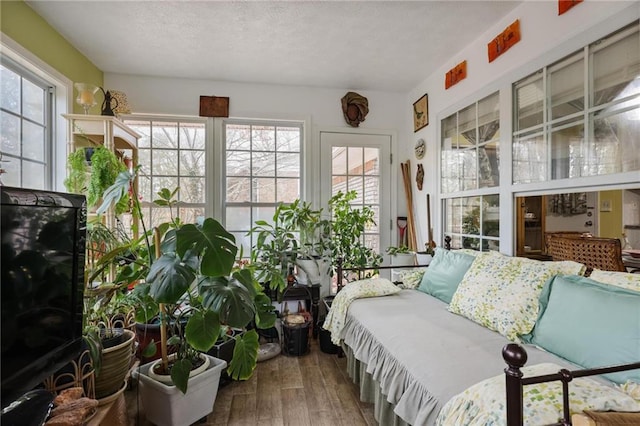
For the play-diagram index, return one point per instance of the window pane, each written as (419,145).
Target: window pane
(489,164)
(288,190)
(191,215)
(372,189)
(263,138)
(338,184)
(616,143)
(192,163)
(263,213)
(265,190)
(243,242)
(144,129)
(192,190)
(374,228)
(33,141)
(471,216)
(263,164)
(529,99)
(452,220)
(357,184)
(9,90)
(165,135)
(33,101)
(192,136)
(159,182)
(165,162)
(144,188)
(288,165)
(567,152)
(238,163)
(288,139)
(355,161)
(238,218)
(238,190)
(615,66)
(529,159)
(491,215)
(33,175)
(451,165)
(339,161)
(11,166)
(467,126)
(238,137)
(567,86)
(10,131)
(372,161)
(469,168)
(489,118)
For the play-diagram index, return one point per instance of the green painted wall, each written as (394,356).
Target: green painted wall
(611,222)
(27,28)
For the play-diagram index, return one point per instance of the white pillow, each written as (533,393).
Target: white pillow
(620,279)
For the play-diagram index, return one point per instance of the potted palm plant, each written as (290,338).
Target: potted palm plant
(193,275)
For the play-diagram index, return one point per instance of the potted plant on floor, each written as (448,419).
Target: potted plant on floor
(348,225)
(194,269)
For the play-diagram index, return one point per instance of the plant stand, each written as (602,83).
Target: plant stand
(166,405)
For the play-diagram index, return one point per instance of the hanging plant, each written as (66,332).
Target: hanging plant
(105,167)
(77,172)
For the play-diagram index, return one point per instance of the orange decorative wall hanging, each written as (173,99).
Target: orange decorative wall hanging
(564,5)
(504,40)
(455,74)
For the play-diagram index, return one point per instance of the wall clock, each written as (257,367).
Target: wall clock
(420,149)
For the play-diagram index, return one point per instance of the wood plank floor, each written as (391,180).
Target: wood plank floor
(313,389)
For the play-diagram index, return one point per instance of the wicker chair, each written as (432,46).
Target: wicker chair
(595,253)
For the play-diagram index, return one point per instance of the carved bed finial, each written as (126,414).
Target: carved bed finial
(514,355)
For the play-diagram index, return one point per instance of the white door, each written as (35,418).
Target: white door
(360,162)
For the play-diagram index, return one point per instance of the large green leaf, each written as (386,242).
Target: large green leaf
(265,311)
(169,278)
(245,356)
(202,330)
(115,192)
(180,374)
(216,246)
(229,298)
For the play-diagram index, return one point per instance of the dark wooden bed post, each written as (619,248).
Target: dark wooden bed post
(516,357)
(447,242)
(339,274)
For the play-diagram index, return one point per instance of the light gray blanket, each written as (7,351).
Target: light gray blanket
(422,354)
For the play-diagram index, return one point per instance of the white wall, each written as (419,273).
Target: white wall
(545,37)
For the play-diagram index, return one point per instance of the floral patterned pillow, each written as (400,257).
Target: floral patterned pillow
(620,279)
(484,403)
(501,292)
(411,278)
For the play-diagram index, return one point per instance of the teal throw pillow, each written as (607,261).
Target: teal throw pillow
(444,273)
(590,324)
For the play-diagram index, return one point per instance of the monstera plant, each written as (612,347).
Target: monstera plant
(196,287)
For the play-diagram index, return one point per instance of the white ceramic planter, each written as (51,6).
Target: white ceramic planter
(165,405)
(167,379)
(423,259)
(401,259)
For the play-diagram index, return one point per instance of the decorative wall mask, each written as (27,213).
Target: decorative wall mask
(420,148)
(355,108)
(420,177)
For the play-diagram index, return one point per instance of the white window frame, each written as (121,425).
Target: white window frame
(222,165)
(63,103)
(146,169)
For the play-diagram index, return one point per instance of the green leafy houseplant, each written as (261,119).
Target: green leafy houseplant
(105,167)
(193,274)
(398,250)
(297,232)
(348,225)
(77,178)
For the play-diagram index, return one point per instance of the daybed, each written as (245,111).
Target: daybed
(431,355)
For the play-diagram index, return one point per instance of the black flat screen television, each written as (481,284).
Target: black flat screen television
(43,237)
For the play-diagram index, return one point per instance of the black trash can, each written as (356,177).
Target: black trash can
(295,335)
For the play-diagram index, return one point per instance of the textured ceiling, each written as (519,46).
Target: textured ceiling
(364,45)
